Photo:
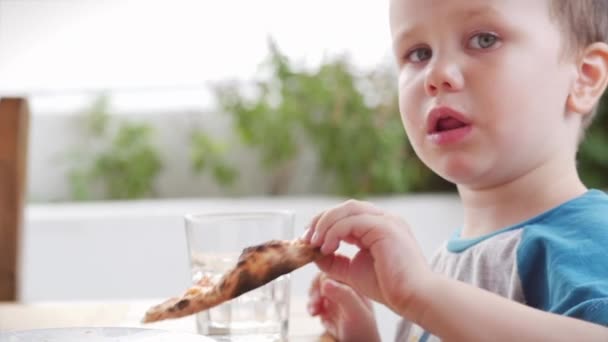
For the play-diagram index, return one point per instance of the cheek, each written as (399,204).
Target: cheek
(503,90)
(523,113)
(508,127)
(410,107)
(531,89)
(532,107)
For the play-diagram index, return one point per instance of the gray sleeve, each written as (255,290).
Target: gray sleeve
(403,330)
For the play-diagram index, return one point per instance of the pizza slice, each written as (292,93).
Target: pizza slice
(257,265)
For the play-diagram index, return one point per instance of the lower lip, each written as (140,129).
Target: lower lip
(450,137)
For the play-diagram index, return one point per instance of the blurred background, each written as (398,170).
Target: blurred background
(142,111)
(163,99)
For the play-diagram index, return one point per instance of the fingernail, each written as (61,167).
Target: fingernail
(331,283)
(325,303)
(311,309)
(329,286)
(314,297)
(324,249)
(315,238)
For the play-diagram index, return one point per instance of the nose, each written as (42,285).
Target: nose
(443,76)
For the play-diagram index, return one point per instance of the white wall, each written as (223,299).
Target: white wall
(118,250)
(53,137)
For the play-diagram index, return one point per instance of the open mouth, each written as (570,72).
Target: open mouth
(447,124)
(445,119)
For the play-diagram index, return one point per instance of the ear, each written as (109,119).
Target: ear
(592,79)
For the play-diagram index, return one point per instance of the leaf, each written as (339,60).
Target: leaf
(125,165)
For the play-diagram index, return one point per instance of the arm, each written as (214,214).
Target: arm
(390,269)
(456,311)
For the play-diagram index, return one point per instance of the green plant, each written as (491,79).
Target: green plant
(268,122)
(592,157)
(357,134)
(207,154)
(122,163)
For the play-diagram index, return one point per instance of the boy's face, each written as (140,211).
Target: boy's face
(483,86)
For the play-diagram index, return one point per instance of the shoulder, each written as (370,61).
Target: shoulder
(583,220)
(561,259)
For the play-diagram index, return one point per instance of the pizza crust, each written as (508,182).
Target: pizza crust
(256,266)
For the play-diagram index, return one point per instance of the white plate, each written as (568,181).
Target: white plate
(99,335)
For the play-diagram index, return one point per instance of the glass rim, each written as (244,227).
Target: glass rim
(237,214)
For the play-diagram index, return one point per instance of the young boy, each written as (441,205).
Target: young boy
(494,96)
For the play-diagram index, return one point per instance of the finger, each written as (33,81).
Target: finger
(336,266)
(350,310)
(306,235)
(314,285)
(344,296)
(330,326)
(350,207)
(346,209)
(364,229)
(315,306)
(331,312)
(314,303)
(326,306)
(315,220)
(311,228)
(314,293)
(340,293)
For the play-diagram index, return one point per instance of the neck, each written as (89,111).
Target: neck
(489,209)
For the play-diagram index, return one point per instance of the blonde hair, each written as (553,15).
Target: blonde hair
(584,22)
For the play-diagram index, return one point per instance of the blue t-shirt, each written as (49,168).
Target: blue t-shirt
(556,262)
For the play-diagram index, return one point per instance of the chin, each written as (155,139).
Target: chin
(459,170)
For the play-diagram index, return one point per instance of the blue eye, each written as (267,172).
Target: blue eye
(483,40)
(419,55)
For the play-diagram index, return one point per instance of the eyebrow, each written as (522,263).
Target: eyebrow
(464,14)
(479,12)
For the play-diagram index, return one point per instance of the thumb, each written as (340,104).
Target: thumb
(336,266)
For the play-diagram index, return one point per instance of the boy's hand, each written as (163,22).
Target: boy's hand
(389,267)
(345,314)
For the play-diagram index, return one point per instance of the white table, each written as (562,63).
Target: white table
(22,316)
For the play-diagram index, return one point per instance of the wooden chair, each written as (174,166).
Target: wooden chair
(14,127)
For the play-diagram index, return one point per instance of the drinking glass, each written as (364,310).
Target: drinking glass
(215,241)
